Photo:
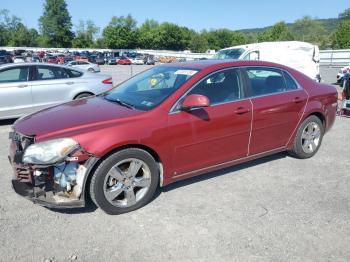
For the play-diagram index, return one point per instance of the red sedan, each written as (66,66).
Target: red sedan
(166,124)
(124,61)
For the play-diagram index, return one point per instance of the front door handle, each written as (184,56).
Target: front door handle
(69,83)
(21,86)
(241,110)
(298,100)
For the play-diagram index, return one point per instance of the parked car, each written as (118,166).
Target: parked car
(53,60)
(166,124)
(25,88)
(100,60)
(124,61)
(342,72)
(137,61)
(112,60)
(93,68)
(18,59)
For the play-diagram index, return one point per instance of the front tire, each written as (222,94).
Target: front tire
(308,139)
(124,181)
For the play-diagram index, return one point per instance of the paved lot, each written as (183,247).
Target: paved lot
(274,209)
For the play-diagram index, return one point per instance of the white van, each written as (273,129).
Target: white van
(301,56)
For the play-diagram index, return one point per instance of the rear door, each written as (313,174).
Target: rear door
(278,105)
(52,85)
(15,91)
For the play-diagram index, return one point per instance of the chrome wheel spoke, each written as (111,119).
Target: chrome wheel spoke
(116,173)
(304,135)
(130,197)
(134,168)
(113,192)
(142,182)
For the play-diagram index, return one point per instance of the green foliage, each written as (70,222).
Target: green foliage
(55,24)
(121,32)
(310,30)
(341,37)
(345,14)
(221,38)
(278,32)
(85,34)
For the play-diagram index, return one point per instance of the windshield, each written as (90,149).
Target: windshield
(150,88)
(230,53)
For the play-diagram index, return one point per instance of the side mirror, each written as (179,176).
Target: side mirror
(195,101)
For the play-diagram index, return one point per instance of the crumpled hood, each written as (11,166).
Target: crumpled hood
(74,115)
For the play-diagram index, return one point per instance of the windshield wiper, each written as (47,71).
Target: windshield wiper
(120,102)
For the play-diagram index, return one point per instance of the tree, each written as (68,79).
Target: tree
(55,24)
(341,37)
(345,14)
(278,32)
(173,37)
(221,38)
(121,32)
(148,34)
(199,43)
(85,34)
(309,30)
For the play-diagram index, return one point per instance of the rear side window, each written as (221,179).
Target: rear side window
(73,73)
(18,74)
(51,72)
(264,81)
(290,83)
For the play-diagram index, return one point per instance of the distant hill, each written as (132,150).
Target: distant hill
(329,24)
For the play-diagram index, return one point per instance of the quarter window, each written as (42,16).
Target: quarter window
(18,74)
(290,83)
(219,87)
(264,81)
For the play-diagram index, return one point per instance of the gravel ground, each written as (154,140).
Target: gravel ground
(274,209)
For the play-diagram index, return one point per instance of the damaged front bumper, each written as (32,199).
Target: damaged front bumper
(54,186)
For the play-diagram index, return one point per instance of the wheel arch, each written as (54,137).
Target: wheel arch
(82,92)
(98,161)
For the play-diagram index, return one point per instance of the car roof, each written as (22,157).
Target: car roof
(38,63)
(222,63)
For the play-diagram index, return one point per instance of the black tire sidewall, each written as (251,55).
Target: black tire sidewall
(97,181)
(297,148)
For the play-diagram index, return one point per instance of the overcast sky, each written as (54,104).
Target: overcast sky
(196,14)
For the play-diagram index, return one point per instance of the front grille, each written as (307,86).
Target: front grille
(24,175)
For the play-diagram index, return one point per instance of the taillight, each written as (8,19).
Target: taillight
(108,81)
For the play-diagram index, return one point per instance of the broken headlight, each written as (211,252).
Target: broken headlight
(49,152)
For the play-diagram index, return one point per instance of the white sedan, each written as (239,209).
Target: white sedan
(91,67)
(27,87)
(136,61)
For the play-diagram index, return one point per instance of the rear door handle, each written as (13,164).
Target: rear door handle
(298,100)
(21,86)
(69,83)
(241,110)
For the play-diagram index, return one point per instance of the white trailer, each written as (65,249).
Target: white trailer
(302,56)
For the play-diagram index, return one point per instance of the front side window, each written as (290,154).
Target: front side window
(220,87)
(51,73)
(18,74)
(150,88)
(263,81)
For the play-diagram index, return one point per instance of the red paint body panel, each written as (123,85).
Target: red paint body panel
(188,143)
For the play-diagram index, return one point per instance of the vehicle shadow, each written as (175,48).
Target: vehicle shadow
(91,207)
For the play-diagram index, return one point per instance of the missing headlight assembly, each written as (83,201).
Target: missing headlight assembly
(52,173)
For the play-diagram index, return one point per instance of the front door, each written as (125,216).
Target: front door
(215,134)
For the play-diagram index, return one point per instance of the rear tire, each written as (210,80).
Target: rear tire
(308,138)
(124,181)
(83,95)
